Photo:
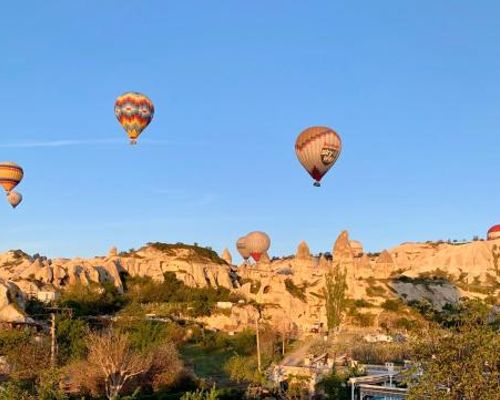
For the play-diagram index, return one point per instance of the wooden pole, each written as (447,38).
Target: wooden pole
(53,346)
(258,341)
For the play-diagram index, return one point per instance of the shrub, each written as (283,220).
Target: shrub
(93,299)
(172,290)
(294,290)
(70,335)
(201,254)
(391,305)
(364,319)
(374,291)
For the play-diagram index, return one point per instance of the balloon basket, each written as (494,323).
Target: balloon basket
(133,142)
(317,184)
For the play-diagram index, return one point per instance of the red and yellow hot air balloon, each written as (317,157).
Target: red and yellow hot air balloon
(257,243)
(317,149)
(134,111)
(10,175)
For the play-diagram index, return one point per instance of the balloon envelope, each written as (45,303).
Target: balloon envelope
(14,198)
(317,149)
(257,243)
(10,175)
(242,248)
(134,111)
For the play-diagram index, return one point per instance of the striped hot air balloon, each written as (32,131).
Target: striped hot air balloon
(317,149)
(134,111)
(10,175)
(257,243)
(241,246)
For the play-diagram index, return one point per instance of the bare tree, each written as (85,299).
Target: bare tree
(113,355)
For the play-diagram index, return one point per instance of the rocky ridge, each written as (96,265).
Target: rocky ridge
(291,286)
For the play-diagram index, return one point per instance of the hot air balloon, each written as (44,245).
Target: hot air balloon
(14,198)
(10,175)
(134,111)
(242,248)
(257,243)
(317,149)
(494,232)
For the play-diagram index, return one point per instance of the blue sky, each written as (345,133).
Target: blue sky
(412,87)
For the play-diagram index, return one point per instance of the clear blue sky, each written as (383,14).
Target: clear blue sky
(411,86)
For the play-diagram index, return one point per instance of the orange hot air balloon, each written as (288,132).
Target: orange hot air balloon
(10,175)
(317,149)
(134,111)
(257,243)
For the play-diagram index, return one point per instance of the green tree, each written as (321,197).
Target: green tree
(334,386)
(335,295)
(459,363)
(70,335)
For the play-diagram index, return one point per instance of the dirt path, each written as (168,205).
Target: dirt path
(298,355)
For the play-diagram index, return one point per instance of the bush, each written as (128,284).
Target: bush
(201,300)
(380,353)
(243,369)
(70,334)
(335,386)
(294,290)
(391,305)
(364,319)
(92,300)
(200,254)
(375,291)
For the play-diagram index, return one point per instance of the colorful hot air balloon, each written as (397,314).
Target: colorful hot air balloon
(14,198)
(10,175)
(134,111)
(317,149)
(242,248)
(257,243)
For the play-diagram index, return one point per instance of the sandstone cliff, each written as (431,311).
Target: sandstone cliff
(292,287)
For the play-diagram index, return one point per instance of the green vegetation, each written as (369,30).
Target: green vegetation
(392,305)
(334,291)
(380,353)
(295,291)
(375,291)
(363,319)
(462,362)
(193,301)
(92,300)
(196,253)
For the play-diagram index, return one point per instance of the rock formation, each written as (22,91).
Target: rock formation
(294,284)
(357,248)
(303,252)
(226,256)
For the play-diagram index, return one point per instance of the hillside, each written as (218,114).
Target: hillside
(292,288)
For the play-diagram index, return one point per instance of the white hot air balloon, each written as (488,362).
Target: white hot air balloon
(317,149)
(257,243)
(14,198)
(242,248)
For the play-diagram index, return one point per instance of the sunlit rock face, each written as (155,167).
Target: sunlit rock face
(303,252)
(227,257)
(292,287)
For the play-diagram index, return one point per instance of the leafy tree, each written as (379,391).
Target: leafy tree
(335,386)
(70,334)
(460,363)
(335,295)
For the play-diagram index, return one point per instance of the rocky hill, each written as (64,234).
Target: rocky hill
(292,288)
